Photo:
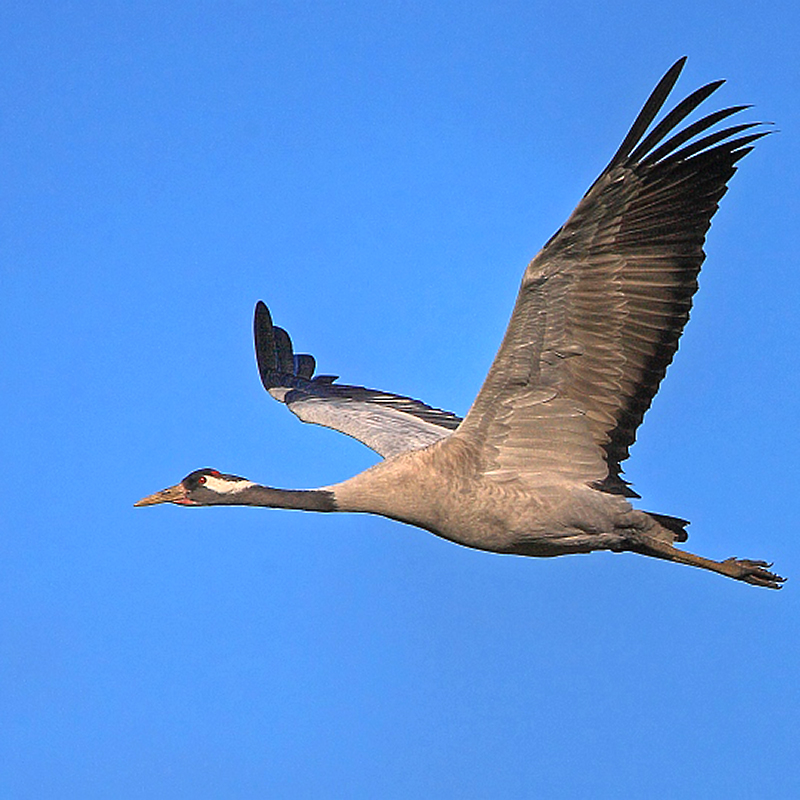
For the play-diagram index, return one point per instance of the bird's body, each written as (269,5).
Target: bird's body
(534,467)
(445,492)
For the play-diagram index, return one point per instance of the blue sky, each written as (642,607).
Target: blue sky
(379,174)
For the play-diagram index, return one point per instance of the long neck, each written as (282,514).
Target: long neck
(302,499)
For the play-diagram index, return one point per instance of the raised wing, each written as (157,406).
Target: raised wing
(602,306)
(387,423)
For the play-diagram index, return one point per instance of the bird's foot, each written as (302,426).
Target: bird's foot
(755,572)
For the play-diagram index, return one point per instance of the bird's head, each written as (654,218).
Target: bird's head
(203,487)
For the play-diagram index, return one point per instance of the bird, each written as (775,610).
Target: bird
(534,468)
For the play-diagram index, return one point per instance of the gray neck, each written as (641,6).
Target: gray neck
(302,499)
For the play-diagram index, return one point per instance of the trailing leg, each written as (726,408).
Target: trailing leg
(754,572)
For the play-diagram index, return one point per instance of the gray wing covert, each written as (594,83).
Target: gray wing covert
(387,423)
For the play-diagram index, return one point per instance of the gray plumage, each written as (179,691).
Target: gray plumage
(535,466)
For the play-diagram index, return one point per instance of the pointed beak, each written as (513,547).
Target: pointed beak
(175,494)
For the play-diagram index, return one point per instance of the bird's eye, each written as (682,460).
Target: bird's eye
(201,480)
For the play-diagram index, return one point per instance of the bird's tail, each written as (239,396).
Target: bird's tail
(674,524)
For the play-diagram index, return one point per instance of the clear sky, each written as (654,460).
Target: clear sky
(380,174)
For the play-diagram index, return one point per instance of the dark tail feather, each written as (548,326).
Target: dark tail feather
(674,524)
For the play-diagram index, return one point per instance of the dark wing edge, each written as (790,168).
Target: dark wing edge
(388,423)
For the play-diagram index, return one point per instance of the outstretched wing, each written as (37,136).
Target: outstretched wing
(602,306)
(387,423)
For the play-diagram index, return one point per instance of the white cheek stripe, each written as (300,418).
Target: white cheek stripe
(221,486)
